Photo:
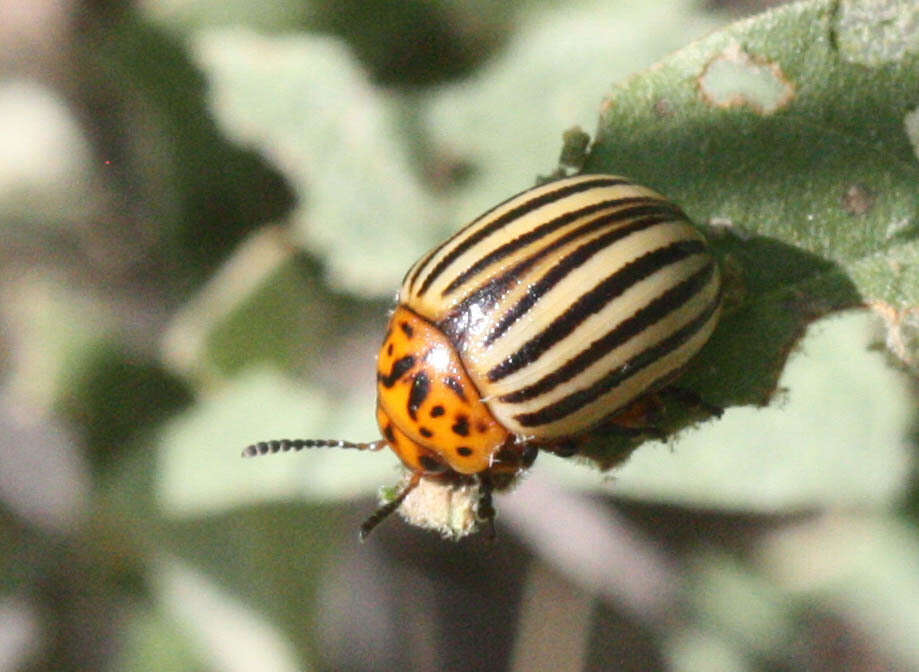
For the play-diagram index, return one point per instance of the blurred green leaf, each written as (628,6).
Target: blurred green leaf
(418,42)
(155,642)
(116,395)
(187,194)
(291,320)
(306,105)
(272,558)
(268,304)
(446,38)
(223,630)
(39,197)
(190,15)
(56,331)
(73,360)
(506,120)
(743,607)
(864,568)
(692,650)
(200,468)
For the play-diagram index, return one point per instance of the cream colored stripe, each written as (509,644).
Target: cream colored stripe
(579,282)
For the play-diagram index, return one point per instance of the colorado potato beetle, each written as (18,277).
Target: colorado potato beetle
(557,310)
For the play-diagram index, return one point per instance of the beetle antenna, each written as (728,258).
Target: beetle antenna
(284,445)
(382,512)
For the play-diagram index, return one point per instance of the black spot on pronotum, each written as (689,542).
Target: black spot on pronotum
(461,426)
(465,451)
(421,386)
(456,386)
(425,432)
(437,411)
(428,463)
(389,433)
(407,329)
(399,368)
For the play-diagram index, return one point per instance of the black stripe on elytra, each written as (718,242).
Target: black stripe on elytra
(648,205)
(489,295)
(588,303)
(663,305)
(421,387)
(566,265)
(412,275)
(577,400)
(399,368)
(499,223)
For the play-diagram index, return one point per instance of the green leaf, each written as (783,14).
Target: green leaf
(787,134)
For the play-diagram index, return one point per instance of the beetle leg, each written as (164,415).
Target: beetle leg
(638,419)
(563,447)
(690,399)
(486,509)
(530,451)
(383,511)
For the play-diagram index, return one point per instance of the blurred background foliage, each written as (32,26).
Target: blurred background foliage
(205,210)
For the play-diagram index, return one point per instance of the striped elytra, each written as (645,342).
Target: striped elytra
(553,312)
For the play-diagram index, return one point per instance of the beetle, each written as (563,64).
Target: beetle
(560,309)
